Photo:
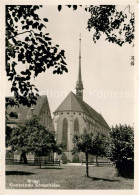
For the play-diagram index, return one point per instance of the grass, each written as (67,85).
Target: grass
(65,177)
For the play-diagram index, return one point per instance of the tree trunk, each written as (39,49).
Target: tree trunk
(40,162)
(97,160)
(23,156)
(87,168)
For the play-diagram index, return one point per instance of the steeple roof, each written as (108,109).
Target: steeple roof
(73,103)
(79,73)
(79,83)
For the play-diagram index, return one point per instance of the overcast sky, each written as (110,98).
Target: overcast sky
(108,77)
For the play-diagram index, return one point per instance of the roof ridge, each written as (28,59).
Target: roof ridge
(70,99)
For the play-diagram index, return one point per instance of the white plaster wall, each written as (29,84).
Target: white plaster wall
(71,116)
(58,124)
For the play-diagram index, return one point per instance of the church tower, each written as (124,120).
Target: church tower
(74,115)
(79,83)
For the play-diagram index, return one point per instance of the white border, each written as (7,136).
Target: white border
(2,103)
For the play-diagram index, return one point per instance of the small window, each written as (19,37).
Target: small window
(61,112)
(67,112)
(79,113)
(13,115)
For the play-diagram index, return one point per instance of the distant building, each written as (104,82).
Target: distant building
(73,116)
(20,113)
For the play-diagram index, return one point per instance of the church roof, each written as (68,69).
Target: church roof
(73,103)
(70,103)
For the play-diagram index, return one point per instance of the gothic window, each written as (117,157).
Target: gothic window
(65,133)
(76,126)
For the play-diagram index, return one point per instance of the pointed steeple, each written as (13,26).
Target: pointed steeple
(79,83)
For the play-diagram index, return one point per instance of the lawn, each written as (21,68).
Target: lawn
(64,177)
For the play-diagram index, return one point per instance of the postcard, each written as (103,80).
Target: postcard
(69,98)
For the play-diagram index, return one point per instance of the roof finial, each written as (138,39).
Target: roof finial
(79,74)
(79,85)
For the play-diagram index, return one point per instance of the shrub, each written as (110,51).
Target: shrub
(76,159)
(64,158)
(122,149)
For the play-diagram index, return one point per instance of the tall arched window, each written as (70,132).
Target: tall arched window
(65,133)
(76,127)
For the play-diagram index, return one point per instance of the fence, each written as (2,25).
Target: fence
(99,163)
(35,162)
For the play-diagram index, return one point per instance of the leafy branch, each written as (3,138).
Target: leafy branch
(106,19)
(28,31)
(34,50)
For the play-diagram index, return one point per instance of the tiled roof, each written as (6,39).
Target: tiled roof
(24,112)
(73,103)
(70,103)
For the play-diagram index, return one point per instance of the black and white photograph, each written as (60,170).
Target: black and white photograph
(69,96)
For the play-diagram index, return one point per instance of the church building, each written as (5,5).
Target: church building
(73,116)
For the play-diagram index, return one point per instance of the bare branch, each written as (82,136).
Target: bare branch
(29,31)
(128,6)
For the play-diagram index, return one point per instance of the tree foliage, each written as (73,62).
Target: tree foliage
(122,149)
(117,24)
(89,143)
(31,136)
(28,44)
(8,135)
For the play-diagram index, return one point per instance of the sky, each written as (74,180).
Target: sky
(107,75)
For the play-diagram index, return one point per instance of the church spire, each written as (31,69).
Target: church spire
(79,83)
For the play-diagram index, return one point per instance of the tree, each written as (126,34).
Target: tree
(8,135)
(122,149)
(99,146)
(31,136)
(29,45)
(89,143)
(117,24)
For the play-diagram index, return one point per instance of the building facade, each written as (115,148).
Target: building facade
(73,116)
(21,113)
